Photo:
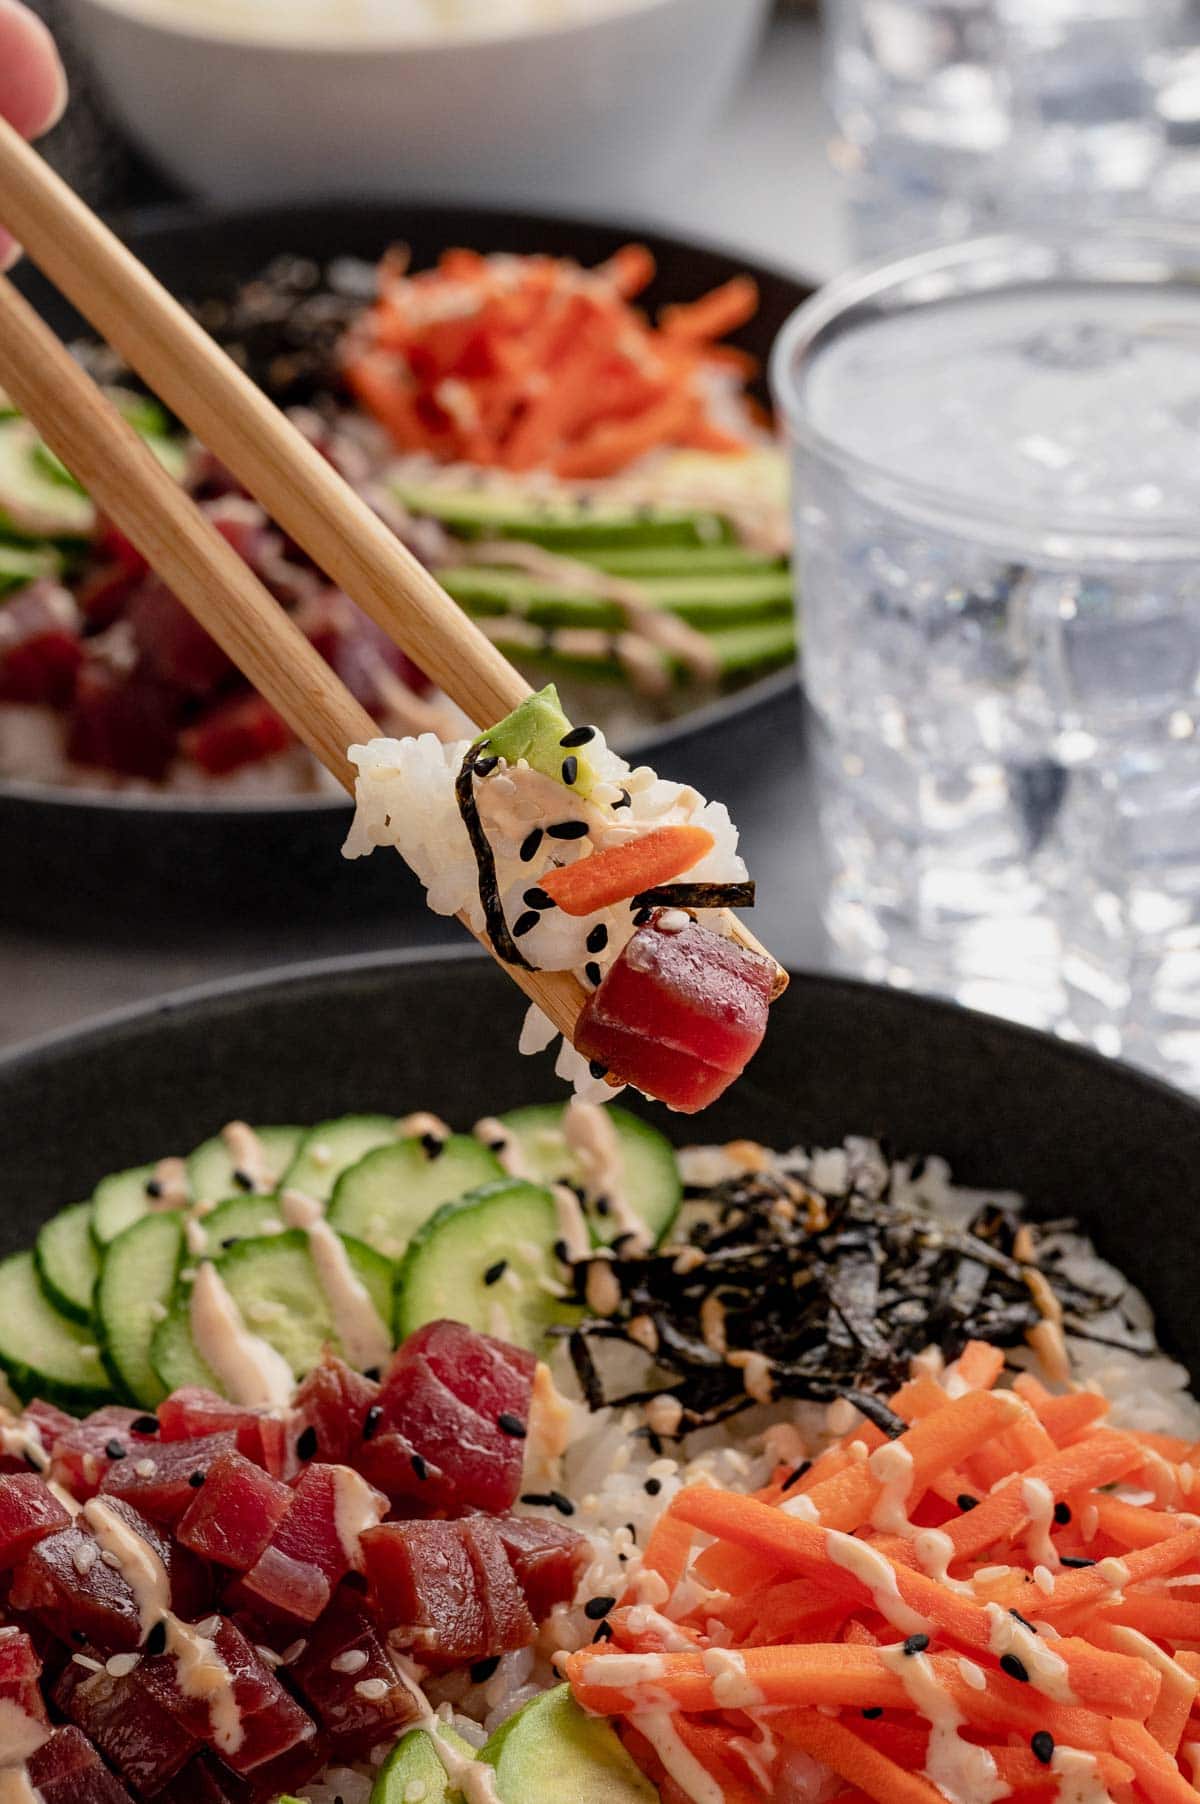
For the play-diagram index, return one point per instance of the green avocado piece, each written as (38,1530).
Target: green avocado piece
(535,731)
(33,503)
(550,1752)
(558,522)
(413,1763)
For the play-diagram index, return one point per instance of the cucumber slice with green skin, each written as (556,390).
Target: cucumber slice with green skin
(42,1352)
(650,1172)
(684,560)
(388,1196)
(138,1278)
(211,1166)
(332,1147)
(34,504)
(561,523)
(274,1283)
(241,1218)
(758,645)
(509,1224)
(703,601)
(67,1261)
(414,1763)
(551,1752)
(23,564)
(119,1200)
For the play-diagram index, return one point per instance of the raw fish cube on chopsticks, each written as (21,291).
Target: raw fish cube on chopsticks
(566,859)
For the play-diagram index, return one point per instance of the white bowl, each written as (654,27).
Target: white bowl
(590,110)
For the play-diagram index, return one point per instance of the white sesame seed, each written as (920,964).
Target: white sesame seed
(372,1689)
(121,1665)
(145,1468)
(87,1663)
(353,1660)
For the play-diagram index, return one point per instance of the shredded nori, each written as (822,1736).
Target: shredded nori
(503,943)
(697,895)
(839,1292)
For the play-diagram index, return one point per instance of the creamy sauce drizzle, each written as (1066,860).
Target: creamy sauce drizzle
(879,1577)
(963,1773)
(475,1780)
(1047,1670)
(681,1764)
(732,1688)
(572,1225)
(170,1175)
(250,1370)
(892,1466)
(412,1127)
(248,1154)
(357,1506)
(589,1132)
(366,1339)
(20,1734)
(935,1551)
(496,1137)
(15,1787)
(1038,1499)
(1078,1780)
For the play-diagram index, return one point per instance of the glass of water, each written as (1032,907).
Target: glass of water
(996,454)
(960,116)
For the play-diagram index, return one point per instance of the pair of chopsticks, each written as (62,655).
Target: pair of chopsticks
(296,486)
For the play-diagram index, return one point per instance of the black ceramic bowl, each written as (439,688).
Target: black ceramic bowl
(1008,1107)
(75,861)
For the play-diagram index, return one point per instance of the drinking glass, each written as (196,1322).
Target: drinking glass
(996,462)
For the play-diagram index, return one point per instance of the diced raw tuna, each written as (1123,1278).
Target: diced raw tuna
(425,1588)
(66,1769)
(678,1014)
(306,1556)
(192,1412)
(28,1510)
(350,1683)
(174,648)
(509,1621)
(40,650)
(242,730)
(230,1519)
(126,723)
(252,1721)
(82,1453)
(20,1662)
(333,1401)
(165,1492)
(65,1583)
(440,1402)
(145,1744)
(48,1419)
(547,1558)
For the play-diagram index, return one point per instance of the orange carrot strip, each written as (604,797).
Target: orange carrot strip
(854,1759)
(1096,1584)
(1022,1771)
(1168,1719)
(619,872)
(1155,1771)
(978,1366)
(629,270)
(1099,1460)
(668,1549)
(1134,1524)
(723,310)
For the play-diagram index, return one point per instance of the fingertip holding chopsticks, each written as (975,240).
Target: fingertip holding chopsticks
(180,363)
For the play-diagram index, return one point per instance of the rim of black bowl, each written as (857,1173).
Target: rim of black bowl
(166,218)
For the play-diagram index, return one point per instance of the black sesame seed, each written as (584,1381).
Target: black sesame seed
(620,1240)
(597,939)
(597,1069)
(434,1145)
(196,1480)
(568,830)
(242,1179)
(419,1467)
(524,923)
(1075,1561)
(497,1146)
(306,1445)
(593,973)
(641,916)
(153,1187)
(874,1713)
(512,1425)
(530,844)
(538,899)
(656,1447)
(485,766)
(562,1504)
(374,1373)
(144,1425)
(1023,1620)
(570,769)
(602,1205)
(1062,1514)
(652,1487)
(916,1644)
(797,1473)
(603,1633)
(230,1240)
(1043,1746)
(537,1500)
(632,1532)
(562,1252)
(597,1608)
(483,1670)
(156,1640)
(966,1502)
(626,800)
(577,736)
(115,1449)
(33,1462)
(371,1421)
(495,1272)
(1014,1668)
(79,1637)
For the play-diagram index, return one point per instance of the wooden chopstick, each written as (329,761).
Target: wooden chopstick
(127,481)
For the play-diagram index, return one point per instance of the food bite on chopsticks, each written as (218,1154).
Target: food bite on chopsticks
(565,859)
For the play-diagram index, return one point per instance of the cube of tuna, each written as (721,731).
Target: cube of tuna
(315,1544)
(509,1621)
(83,1453)
(351,1684)
(66,1769)
(66,1584)
(247,1718)
(146,1745)
(233,1515)
(41,1423)
(161,1480)
(433,1447)
(191,1413)
(425,1591)
(548,1560)
(333,1401)
(20,1663)
(28,1510)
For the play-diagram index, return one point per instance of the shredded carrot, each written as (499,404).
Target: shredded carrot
(853,1758)
(619,872)
(531,362)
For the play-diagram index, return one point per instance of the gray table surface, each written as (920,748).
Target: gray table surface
(762,187)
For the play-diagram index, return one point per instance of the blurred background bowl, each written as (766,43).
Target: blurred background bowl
(579,106)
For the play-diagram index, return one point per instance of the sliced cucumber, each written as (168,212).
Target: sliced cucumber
(67,1261)
(23,564)
(332,1147)
(413,1770)
(211,1166)
(390,1194)
(34,504)
(684,560)
(119,1200)
(650,1173)
(562,522)
(550,1752)
(137,1281)
(42,1352)
(509,1224)
(274,1283)
(241,1218)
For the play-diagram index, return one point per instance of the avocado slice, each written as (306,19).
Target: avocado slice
(414,1763)
(564,523)
(535,731)
(33,503)
(22,564)
(550,1752)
